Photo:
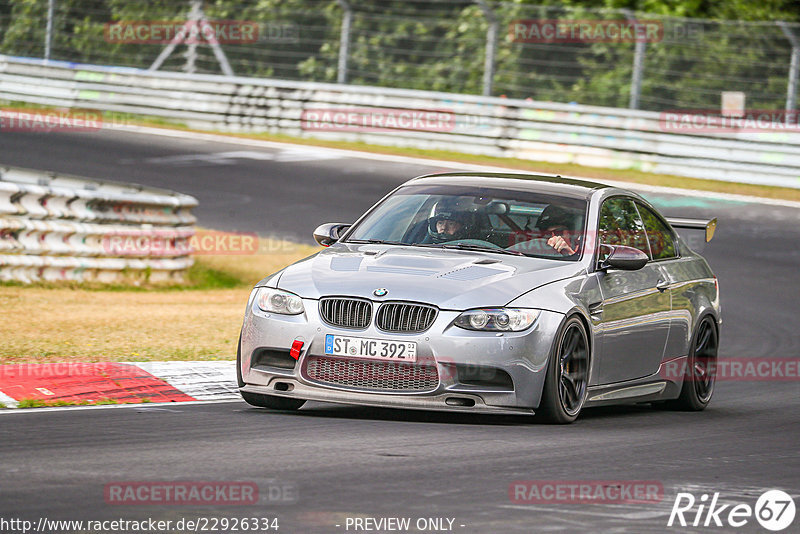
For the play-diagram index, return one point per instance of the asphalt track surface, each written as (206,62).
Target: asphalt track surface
(334,461)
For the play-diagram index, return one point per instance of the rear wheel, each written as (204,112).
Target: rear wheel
(567,375)
(700,375)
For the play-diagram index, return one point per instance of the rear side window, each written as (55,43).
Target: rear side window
(620,224)
(661,238)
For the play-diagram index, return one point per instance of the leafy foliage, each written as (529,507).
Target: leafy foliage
(441,45)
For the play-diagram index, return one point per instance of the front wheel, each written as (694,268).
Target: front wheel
(567,375)
(700,375)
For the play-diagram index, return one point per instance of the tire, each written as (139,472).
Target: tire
(700,375)
(567,377)
(270,401)
(239,379)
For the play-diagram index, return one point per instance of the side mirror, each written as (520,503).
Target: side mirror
(329,233)
(625,258)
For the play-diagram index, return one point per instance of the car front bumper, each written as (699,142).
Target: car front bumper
(467,363)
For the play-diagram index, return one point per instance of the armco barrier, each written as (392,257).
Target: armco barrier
(542,131)
(58,227)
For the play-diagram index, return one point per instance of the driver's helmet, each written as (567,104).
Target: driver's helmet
(451,209)
(554,215)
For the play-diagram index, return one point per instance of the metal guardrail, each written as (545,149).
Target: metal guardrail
(540,131)
(58,227)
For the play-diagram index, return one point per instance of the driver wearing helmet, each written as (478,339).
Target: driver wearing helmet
(557,226)
(450,220)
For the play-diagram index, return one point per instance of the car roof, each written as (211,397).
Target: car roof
(556,185)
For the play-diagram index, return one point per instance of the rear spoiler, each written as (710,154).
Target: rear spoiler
(709,225)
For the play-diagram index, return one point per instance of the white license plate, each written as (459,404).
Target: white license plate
(374,349)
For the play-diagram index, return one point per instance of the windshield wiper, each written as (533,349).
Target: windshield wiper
(456,246)
(374,242)
(467,246)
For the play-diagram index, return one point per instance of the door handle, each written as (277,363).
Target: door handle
(662,285)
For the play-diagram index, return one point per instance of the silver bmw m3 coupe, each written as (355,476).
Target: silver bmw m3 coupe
(490,293)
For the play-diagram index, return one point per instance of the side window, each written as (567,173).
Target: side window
(662,241)
(620,224)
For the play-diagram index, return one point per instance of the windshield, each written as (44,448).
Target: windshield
(494,220)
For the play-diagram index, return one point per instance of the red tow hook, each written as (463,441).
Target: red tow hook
(297,346)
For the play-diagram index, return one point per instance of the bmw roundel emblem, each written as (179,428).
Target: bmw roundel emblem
(380,292)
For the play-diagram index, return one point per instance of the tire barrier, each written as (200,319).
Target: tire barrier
(55,227)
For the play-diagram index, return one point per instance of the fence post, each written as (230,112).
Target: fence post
(491,47)
(794,65)
(190,67)
(638,66)
(344,41)
(48,37)
(195,16)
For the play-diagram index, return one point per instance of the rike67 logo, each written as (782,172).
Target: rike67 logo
(774,510)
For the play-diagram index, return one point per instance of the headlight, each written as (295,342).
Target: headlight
(277,301)
(497,319)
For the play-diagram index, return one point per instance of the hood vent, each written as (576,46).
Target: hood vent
(472,272)
(344,263)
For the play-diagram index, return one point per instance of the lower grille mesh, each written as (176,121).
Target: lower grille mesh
(382,376)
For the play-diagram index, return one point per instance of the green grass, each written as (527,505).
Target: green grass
(202,276)
(103,401)
(198,277)
(39,403)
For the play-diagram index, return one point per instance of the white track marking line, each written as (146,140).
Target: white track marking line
(342,153)
(203,380)
(632,515)
(8,401)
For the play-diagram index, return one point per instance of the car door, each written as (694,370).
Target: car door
(635,311)
(663,246)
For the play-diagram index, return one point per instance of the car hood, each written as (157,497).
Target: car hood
(449,279)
